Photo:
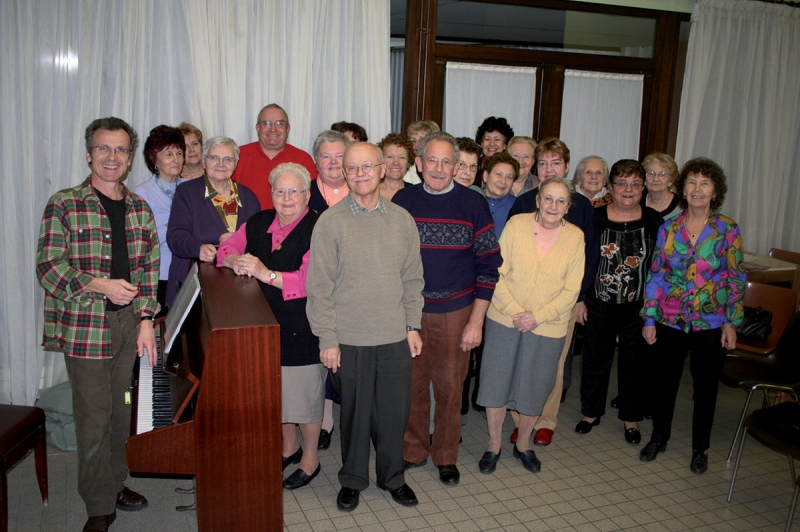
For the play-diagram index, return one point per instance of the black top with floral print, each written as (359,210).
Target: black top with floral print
(626,251)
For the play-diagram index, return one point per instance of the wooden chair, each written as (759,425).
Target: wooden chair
(21,429)
(784,255)
(777,427)
(782,302)
(777,372)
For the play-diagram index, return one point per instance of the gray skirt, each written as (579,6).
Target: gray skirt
(303,393)
(518,370)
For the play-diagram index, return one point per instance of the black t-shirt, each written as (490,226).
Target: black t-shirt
(120,269)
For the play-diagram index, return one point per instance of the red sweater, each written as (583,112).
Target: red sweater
(254,168)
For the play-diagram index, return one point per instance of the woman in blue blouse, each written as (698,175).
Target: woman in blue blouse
(693,303)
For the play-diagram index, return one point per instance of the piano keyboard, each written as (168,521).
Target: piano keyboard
(154,404)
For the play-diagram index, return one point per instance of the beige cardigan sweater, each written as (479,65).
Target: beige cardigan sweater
(549,288)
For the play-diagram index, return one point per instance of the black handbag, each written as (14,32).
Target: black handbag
(756,325)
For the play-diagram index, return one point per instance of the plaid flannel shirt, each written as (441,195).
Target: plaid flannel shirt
(74,248)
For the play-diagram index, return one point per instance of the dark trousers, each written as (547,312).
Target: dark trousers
(605,322)
(707,359)
(375,385)
(102,419)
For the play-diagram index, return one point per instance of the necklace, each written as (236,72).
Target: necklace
(165,188)
(551,235)
(323,186)
(700,230)
(661,207)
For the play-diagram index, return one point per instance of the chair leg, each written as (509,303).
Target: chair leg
(741,423)
(736,467)
(3,497)
(41,463)
(794,504)
(791,469)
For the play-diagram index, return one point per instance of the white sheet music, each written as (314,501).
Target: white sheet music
(180,308)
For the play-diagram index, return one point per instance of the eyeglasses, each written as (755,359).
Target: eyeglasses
(366,168)
(464,166)
(622,185)
(293,192)
(520,157)
(434,162)
(280,124)
(106,150)
(227,161)
(652,174)
(558,163)
(561,203)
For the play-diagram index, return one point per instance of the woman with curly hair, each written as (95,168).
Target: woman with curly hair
(627,239)
(693,303)
(493,136)
(398,156)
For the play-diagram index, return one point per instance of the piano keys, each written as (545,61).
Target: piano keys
(153,400)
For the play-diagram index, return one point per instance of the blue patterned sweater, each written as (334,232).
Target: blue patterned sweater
(460,253)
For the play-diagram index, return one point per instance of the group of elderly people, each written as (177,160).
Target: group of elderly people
(637,253)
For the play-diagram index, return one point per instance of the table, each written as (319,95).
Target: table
(764,269)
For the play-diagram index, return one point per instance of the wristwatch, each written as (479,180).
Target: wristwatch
(409,329)
(148,318)
(272,277)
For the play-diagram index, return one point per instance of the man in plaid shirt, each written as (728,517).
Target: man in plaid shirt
(98,261)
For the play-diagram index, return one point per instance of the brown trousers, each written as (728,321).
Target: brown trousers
(444,363)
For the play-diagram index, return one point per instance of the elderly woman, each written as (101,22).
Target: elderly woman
(522,149)
(273,246)
(163,154)
(498,176)
(527,320)
(493,136)
(398,156)
(591,180)
(416,131)
(330,186)
(467,167)
(193,156)
(207,211)
(693,303)
(660,172)
(627,239)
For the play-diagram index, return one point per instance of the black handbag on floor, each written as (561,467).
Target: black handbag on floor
(756,325)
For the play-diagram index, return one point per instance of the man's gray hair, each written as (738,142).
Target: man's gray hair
(329,136)
(273,106)
(576,177)
(220,141)
(441,135)
(111,123)
(291,168)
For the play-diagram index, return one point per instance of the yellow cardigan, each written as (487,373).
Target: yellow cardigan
(549,288)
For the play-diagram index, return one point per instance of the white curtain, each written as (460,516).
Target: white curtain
(601,115)
(213,63)
(741,107)
(475,92)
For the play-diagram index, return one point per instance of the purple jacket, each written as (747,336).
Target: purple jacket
(194,221)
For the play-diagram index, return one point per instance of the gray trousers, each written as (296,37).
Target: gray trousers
(375,385)
(102,419)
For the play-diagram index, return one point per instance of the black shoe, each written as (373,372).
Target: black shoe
(488,463)
(324,439)
(585,427)
(651,450)
(403,495)
(614,402)
(347,500)
(99,523)
(563,395)
(410,465)
(699,463)
(294,459)
(130,501)
(528,459)
(449,475)
(298,479)
(633,436)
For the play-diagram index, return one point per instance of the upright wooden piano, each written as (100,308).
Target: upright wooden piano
(233,443)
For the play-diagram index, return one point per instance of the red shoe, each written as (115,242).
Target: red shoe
(543,437)
(514,435)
